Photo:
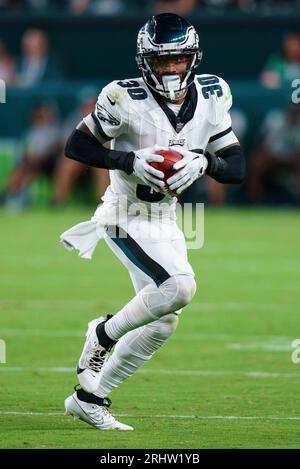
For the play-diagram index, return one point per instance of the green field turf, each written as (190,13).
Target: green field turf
(224,380)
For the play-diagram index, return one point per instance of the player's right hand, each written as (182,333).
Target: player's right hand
(144,171)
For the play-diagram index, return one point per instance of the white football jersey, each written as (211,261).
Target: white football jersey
(132,117)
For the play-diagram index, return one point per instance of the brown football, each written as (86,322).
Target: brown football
(166,166)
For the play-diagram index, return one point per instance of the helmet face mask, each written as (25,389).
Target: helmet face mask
(165,37)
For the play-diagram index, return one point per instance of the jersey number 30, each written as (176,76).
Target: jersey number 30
(210,86)
(133,89)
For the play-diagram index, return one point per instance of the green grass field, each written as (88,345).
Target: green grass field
(224,380)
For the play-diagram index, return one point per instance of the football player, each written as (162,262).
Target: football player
(168,107)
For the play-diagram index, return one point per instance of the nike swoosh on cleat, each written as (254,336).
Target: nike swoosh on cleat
(111,101)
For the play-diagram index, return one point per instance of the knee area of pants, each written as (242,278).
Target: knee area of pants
(185,290)
(165,327)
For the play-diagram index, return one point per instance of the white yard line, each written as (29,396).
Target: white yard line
(159,371)
(261,346)
(55,369)
(237,307)
(41,332)
(36,414)
(250,374)
(92,305)
(192,336)
(162,416)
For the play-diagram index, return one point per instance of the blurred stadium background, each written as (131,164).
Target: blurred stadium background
(55,56)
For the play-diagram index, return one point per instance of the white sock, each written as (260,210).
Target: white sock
(134,314)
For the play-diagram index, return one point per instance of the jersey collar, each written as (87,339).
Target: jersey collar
(186,112)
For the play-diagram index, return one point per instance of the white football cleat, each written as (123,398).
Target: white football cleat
(93,414)
(92,358)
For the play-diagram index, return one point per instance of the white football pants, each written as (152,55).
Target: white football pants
(153,264)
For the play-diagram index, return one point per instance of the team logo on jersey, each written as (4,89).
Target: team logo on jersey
(105,116)
(180,142)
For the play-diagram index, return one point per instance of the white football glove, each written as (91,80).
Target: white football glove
(193,167)
(144,171)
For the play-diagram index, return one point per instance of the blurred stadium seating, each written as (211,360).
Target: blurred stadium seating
(89,43)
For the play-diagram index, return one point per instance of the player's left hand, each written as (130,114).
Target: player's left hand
(192,166)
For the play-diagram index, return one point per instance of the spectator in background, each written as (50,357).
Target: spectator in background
(41,148)
(7,65)
(277,153)
(40,5)
(222,4)
(69,171)
(17,6)
(180,7)
(11,5)
(37,64)
(101,7)
(79,7)
(285,67)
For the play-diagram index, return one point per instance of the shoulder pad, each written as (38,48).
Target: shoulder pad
(121,91)
(114,94)
(216,97)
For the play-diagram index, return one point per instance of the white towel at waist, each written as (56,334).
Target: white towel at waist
(85,236)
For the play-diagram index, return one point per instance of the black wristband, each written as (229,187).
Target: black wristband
(216,165)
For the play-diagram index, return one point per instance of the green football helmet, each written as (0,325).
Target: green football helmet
(167,34)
